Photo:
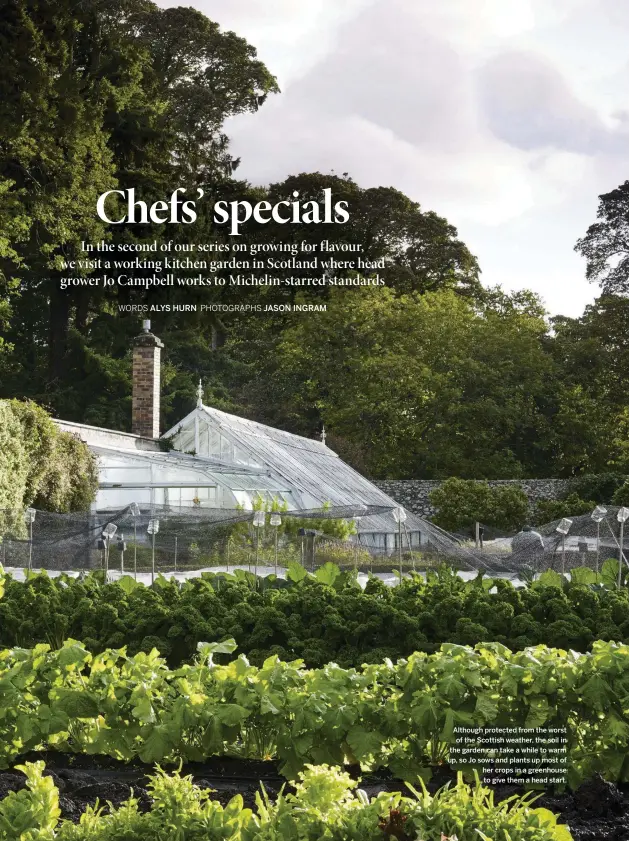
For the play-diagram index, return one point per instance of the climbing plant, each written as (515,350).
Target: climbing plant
(40,465)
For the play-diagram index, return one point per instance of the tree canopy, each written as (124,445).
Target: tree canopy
(428,385)
(432,375)
(94,95)
(605,245)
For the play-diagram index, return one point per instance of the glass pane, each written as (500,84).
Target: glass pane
(214,443)
(226,449)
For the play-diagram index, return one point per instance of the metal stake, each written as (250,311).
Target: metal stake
(622,554)
(410,547)
(563,554)
(275,568)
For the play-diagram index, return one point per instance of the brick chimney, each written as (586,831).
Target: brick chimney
(147,352)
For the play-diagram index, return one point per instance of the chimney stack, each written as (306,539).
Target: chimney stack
(147,352)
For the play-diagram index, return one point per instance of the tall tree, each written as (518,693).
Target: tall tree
(94,96)
(592,353)
(54,160)
(420,250)
(605,246)
(593,350)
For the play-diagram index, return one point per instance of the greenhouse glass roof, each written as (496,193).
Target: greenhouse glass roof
(306,465)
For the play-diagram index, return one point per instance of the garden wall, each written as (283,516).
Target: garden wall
(413,493)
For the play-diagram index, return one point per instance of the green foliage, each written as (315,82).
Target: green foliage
(600,488)
(401,716)
(462,502)
(592,354)
(14,462)
(111,94)
(419,250)
(603,241)
(621,495)
(346,554)
(40,465)
(583,494)
(323,805)
(421,384)
(320,618)
(54,161)
(548,510)
(33,812)
(337,528)
(241,542)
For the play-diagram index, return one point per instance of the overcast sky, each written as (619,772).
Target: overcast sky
(509,117)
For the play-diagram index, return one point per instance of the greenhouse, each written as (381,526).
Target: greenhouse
(219,460)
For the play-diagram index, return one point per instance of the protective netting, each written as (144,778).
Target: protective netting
(195,538)
(145,537)
(586,542)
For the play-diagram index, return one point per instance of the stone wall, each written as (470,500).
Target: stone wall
(413,493)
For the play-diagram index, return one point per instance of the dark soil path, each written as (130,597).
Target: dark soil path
(598,811)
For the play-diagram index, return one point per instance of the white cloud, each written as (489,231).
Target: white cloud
(290,36)
(505,117)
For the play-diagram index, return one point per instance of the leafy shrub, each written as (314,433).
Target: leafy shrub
(600,487)
(548,510)
(40,465)
(462,502)
(15,473)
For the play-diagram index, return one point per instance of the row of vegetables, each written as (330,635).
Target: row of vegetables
(398,716)
(320,618)
(325,805)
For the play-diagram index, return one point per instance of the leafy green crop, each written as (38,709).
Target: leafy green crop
(398,716)
(319,619)
(325,806)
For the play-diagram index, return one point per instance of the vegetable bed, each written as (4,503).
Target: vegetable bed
(320,619)
(324,803)
(397,716)
(103,716)
(597,810)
